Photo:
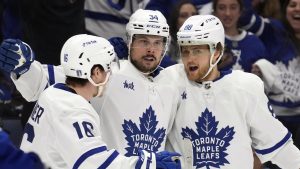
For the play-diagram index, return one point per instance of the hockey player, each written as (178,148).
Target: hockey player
(135,112)
(12,157)
(64,129)
(221,115)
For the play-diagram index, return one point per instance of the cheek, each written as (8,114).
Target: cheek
(288,12)
(180,22)
(135,53)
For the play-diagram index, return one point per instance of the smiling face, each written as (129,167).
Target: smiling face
(146,52)
(228,11)
(293,14)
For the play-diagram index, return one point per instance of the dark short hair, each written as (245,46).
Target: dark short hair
(74,81)
(173,20)
(240,2)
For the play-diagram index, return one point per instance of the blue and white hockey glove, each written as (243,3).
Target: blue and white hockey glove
(120,47)
(15,56)
(167,160)
(146,160)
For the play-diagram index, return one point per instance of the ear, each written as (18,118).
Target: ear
(217,54)
(97,75)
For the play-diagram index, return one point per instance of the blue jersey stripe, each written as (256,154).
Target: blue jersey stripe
(51,74)
(276,146)
(287,104)
(87,155)
(105,17)
(109,160)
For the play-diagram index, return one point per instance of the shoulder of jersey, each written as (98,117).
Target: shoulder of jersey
(245,80)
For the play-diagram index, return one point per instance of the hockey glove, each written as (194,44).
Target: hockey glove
(146,160)
(15,56)
(167,160)
(120,47)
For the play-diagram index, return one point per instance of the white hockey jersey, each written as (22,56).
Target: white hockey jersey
(134,111)
(63,130)
(218,123)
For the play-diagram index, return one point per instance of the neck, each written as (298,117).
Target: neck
(84,91)
(231,31)
(213,75)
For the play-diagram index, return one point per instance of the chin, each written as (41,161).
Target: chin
(192,77)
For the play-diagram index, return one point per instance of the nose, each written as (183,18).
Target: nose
(227,11)
(150,48)
(297,7)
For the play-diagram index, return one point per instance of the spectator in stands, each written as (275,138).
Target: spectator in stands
(243,47)
(181,11)
(281,69)
(268,8)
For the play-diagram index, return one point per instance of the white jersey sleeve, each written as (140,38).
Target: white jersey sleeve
(269,146)
(37,79)
(64,130)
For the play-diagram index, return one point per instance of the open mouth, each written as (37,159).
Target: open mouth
(193,68)
(149,58)
(296,17)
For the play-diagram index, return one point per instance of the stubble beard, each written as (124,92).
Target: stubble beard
(142,68)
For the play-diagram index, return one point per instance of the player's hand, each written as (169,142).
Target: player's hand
(120,47)
(15,56)
(146,160)
(256,70)
(167,160)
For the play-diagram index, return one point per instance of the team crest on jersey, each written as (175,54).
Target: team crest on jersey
(289,81)
(146,136)
(183,95)
(209,146)
(128,85)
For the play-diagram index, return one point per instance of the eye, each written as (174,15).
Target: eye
(158,44)
(183,15)
(185,52)
(197,51)
(221,7)
(143,42)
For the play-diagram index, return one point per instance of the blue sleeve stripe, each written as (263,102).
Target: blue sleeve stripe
(276,146)
(105,17)
(109,160)
(87,155)
(287,104)
(51,74)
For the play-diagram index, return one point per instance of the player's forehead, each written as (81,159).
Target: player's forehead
(148,37)
(192,47)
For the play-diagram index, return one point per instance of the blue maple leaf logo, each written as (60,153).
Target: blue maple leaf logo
(209,146)
(146,137)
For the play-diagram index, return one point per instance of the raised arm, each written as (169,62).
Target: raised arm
(29,76)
